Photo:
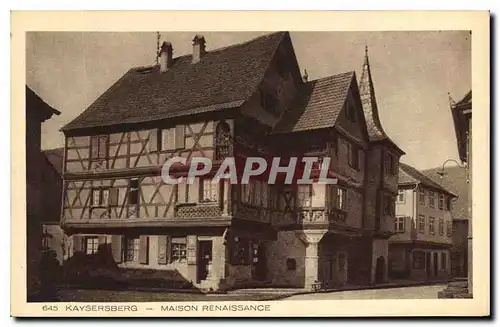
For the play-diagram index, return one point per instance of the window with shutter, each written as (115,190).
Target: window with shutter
(132,247)
(163,249)
(133,195)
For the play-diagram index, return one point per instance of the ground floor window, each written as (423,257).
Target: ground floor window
(178,249)
(132,245)
(418,260)
(91,244)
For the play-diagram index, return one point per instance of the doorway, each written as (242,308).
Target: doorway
(435,267)
(259,262)
(380,270)
(428,264)
(204,260)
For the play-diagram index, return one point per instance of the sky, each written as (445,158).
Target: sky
(413,72)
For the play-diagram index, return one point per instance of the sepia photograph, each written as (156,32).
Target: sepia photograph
(246,168)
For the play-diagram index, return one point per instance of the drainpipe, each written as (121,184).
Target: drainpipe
(415,215)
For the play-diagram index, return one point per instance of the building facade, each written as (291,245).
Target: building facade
(37,111)
(462,118)
(242,101)
(420,248)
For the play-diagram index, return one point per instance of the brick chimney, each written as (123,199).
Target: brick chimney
(198,48)
(166,56)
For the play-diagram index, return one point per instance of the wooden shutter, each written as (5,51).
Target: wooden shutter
(113,196)
(181,192)
(180,137)
(143,249)
(163,249)
(153,140)
(102,239)
(78,243)
(116,247)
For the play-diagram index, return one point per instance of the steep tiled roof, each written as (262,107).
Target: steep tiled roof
(318,104)
(34,102)
(455,180)
(410,175)
(55,157)
(223,78)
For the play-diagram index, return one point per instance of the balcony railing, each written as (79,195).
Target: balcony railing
(320,215)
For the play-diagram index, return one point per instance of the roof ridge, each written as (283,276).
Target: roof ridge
(351,72)
(213,50)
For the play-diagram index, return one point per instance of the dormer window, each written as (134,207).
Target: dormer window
(269,102)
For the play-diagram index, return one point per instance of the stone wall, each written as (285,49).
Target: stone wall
(288,246)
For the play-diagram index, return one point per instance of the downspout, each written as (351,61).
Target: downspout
(415,215)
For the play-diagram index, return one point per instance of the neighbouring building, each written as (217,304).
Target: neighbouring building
(245,100)
(455,179)
(420,247)
(37,111)
(462,119)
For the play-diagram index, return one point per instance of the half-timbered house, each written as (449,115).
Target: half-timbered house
(244,100)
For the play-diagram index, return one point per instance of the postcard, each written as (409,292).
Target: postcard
(250,164)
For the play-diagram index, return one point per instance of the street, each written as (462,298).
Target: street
(416,292)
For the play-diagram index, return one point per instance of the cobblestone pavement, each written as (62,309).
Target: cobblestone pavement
(414,292)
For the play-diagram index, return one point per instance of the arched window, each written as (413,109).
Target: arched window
(222,141)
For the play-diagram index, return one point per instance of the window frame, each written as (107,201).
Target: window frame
(422,197)
(101,190)
(441,201)
(178,249)
(100,156)
(421,223)
(432,198)
(432,225)
(213,189)
(441,226)
(95,243)
(341,198)
(306,192)
(401,192)
(400,221)
(134,249)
